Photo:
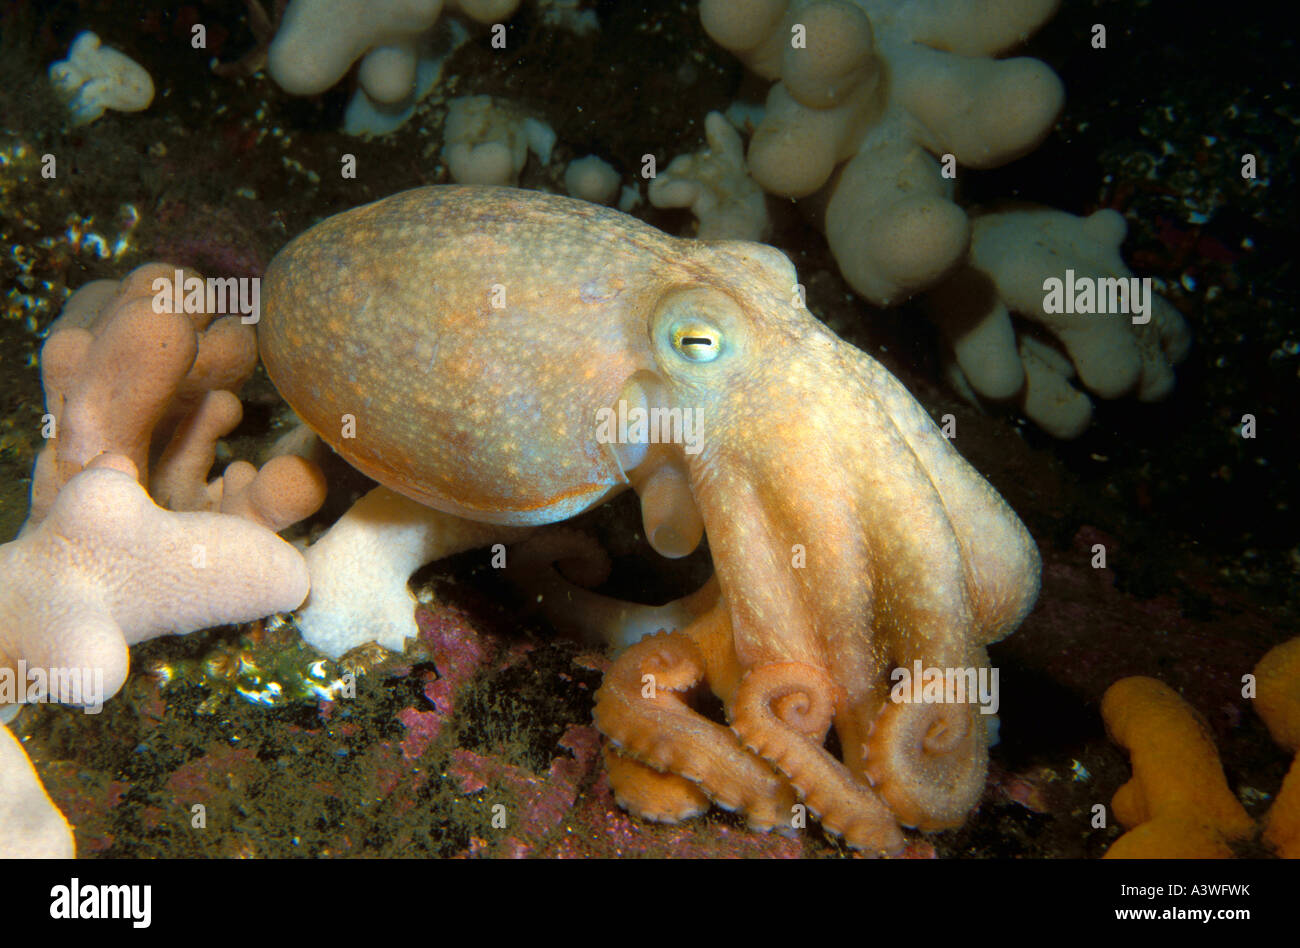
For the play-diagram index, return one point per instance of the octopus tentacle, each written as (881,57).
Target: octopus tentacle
(649,794)
(782,713)
(672,521)
(928,761)
(656,727)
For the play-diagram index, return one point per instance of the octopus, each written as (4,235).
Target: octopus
(478,350)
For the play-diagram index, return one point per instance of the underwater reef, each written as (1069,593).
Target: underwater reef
(314,313)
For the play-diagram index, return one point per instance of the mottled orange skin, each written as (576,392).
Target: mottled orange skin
(386,312)
(848,536)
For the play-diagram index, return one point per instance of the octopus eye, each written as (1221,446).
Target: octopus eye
(696,341)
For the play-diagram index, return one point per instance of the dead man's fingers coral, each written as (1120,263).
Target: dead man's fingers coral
(1177,804)
(716,186)
(108,568)
(319,40)
(1064,275)
(95,78)
(31,826)
(1277,701)
(124,372)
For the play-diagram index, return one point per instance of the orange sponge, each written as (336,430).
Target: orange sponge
(1178,805)
(1277,700)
